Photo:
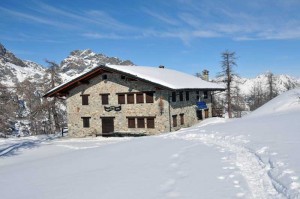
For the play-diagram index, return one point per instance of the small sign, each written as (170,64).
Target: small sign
(202,105)
(111,108)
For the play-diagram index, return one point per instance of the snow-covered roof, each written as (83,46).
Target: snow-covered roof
(167,77)
(163,77)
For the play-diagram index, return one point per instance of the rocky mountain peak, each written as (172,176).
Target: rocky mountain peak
(8,57)
(81,60)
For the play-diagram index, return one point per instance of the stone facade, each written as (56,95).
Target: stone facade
(115,84)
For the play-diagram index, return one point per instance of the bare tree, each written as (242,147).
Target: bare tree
(227,74)
(53,72)
(8,108)
(271,85)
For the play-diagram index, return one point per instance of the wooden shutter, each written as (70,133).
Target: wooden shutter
(130,98)
(150,123)
(140,98)
(149,97)
(182,119)
(121,98)
(140,122)
(174,117)
(104,98)
(131,122)
(85,99)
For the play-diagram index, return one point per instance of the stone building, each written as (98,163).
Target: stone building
(134,100)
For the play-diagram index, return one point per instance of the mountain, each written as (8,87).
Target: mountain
(80,61)
(14,70)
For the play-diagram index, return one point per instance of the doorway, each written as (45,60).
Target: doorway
(199,114)
(107,125)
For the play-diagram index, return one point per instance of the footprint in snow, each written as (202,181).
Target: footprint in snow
(221,177)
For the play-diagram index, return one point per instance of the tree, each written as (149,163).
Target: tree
(8,108)
(271,85)
(52,104)
(227,74)
(258,96)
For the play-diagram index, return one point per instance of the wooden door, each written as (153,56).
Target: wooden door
(107,125)
(206,113)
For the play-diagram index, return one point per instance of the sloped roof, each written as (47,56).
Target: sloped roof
(163,77)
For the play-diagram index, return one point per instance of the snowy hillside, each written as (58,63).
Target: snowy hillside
(252,157)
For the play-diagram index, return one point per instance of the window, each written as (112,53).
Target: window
(104,77)
(150,123)
(104,98)
(86,122)
(181,119)
(149,97)
(198,95)
(123,77)
(205,94)
(121,99)
(173,96)
(181,96)
(130,98)
(174,117)
(131,122)
(140,123)
(187,95)
(85,99)
(140,98)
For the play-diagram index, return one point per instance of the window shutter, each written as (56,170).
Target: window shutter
(130,98)
(150,123)
(140,123)
(85,99)
(149,97)
(121,98)
(174,120)
(140,98)
(104,98)
(131,122)
(86,122)
(182,119)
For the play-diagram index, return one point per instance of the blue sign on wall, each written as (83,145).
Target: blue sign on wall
(201,105)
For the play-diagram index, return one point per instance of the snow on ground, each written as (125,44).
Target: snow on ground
(253,157)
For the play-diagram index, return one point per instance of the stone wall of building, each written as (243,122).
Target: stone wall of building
(114,84)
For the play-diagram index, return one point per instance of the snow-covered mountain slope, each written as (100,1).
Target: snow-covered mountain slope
(281,82)
(80,61)
(252,157)
(14,70)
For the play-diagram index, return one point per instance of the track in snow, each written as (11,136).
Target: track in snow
(254,171)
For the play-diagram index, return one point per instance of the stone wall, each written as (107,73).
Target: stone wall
(115,84)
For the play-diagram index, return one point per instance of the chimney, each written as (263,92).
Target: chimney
(205,75)
(161,66)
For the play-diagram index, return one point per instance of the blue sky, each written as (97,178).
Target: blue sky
(186,35)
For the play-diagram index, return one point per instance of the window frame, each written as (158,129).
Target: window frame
(86,122)
(181,118)
(174,96)
(85,99)
(104,98)
(181,96)
(174,119)
(187,95)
